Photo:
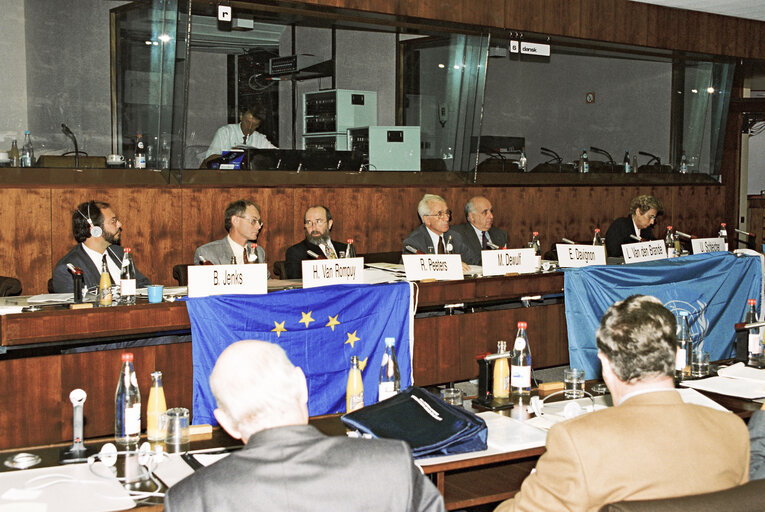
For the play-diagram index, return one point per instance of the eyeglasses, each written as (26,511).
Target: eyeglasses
(447,214)
(251,220)
(317,223)
(652,217)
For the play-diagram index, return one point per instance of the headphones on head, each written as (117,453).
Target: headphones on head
(95,231)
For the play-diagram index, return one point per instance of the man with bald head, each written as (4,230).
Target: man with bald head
(478,232)
(287,464)
(434,234)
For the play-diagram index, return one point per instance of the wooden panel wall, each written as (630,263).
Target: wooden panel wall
(617,21)
(164,225)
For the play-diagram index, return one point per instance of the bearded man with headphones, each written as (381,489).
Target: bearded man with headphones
(98,232)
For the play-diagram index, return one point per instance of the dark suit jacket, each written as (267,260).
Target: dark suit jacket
(498,237)
(619,233)
(757,440)
(299,252)
(298,469)
(420,240)
(62,278)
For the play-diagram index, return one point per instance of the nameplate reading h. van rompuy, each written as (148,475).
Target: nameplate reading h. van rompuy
(644,251)
(336,271)
(441,267)
(206,280)
(699,245)
(508,261)
(580,255)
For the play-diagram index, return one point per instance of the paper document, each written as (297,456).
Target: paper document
(741,371)
(742,388)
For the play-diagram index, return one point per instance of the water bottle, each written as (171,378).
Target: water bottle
(755,347)
(27,151)
(350,252)
(127,404)
(723,233)
(522,161)
(584,162)
(669,242)
(684,347)
(14,155)
(627,165)
(684,163)
(390,376)
(140,153)
(520,363)
(534,244)
(127,278)
(597,239)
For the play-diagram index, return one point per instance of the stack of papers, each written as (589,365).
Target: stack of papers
(738,380)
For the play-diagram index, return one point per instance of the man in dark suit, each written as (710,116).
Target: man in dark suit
(318,223)
(98,232)
(287,464)
(643,212)
(434,234)
(478,231)
(243,223)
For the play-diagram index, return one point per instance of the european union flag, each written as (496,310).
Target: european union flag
(711,287)
(319,328)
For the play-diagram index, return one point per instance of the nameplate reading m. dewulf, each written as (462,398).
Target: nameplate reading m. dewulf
(442,267)
(337,271)
(570,256)
(508,261)
(699,245)
(644,251)
(206,280)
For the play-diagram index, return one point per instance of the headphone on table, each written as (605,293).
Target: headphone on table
(95,231)
(572,409)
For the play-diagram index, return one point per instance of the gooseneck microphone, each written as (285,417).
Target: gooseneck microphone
(70,134)
(654,158)
(555,156)
(604,152)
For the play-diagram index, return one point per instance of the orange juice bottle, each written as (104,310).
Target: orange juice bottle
(501,385)
(155,408)
(354,393)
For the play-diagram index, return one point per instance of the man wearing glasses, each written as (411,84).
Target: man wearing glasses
(317,244)
(434,236)
(639,223)
(243,223)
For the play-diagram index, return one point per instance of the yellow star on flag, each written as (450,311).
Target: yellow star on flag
(332,322)
(363,364)
(352,338)
(278,328)
(306,318)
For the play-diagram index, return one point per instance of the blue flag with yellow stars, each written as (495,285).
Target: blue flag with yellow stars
(319,328)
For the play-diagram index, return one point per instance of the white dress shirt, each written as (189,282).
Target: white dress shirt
(114,270)
(231,135)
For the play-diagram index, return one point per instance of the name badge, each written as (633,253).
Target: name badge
(573,256)
(699,245)
(442,267)
(336,271)
(644,251)
(206,280)
(506,261)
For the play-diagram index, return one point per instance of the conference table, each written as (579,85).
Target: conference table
(43,357)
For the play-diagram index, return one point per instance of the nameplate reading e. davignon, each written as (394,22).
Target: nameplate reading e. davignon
(206,280)
(580,255)
(441,267)
(508,261)
(699,245)
(644,251)
(337,271)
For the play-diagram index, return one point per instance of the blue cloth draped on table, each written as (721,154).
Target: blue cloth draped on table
(712,287)
(319,328)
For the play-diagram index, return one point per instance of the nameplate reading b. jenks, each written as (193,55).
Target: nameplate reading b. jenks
(206,280)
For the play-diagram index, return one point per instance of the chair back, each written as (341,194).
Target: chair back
(181,273)
(9,286)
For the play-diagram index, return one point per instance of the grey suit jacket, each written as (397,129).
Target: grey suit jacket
(498,237)
(219,252)
(757,445)
(420,240)
(297,468)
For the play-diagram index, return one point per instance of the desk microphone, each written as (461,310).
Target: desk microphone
(604,152)
(654,158)
(566,240)
(70,134)
(492,245)
(635,237)
(685,235)
(413,250)
(743,232)
(313,254)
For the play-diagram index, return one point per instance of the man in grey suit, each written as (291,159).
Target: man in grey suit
(478,231)
(757,440)
(287,464)
(243,223)
(434,234)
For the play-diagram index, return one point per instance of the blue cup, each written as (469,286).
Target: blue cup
(155,293)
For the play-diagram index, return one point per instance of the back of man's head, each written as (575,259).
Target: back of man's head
(257,387)
(637,335)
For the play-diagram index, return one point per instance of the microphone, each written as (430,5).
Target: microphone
(685,235)
(742,232)
(603,152)
(73,269)
(492,245)
(654,158)
(313,255)
(413,250)
(68,133)
(550,152)
(635,237)
(566,240)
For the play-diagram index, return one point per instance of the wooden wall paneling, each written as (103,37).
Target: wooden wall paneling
(529,214)
(25,237)
(26,418)
(489,13)
(280,221)
(699,210)
(203,217)
(599,20)
(634,20)
(446,10)
(425,371)
(176,364)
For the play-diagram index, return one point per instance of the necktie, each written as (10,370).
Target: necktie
(245,139)
(484,240)
(329,251)
(441,249)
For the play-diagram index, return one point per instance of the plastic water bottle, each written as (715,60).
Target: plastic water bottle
(390,376)
(127,278)
(684,347)
(520,363)
(755,347)
(597,239)
(127,404)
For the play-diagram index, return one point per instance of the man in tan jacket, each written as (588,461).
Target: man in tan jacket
(650,444)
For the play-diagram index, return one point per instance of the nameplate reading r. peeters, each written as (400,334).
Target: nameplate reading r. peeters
(206,280)
(441,267)
(580,255)
(508,261)
(337,271)
(700,245)
(644,251)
